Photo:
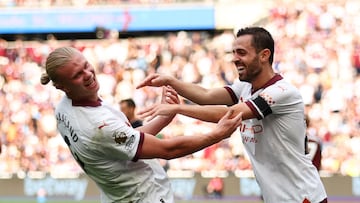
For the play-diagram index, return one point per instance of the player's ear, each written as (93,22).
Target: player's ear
(265,54)
(57,85)
(60,87)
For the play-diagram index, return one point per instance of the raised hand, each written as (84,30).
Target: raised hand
(169,96)
(157,110)
(155,80)
(227,125)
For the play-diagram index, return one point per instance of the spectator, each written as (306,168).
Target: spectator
(215,188)
(313,145)
(356,56)
(128,107)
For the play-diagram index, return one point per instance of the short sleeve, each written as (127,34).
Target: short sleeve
(239,91)
(280,98)
(118,140)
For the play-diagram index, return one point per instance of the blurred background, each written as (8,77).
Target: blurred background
(317,49)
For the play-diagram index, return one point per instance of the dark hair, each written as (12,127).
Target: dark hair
(130,102)
(261,39)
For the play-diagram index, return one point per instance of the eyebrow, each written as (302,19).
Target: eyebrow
(239,49)
(79,72)
(75,74)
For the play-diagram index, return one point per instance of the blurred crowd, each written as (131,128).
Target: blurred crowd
(317,49)
(81,3)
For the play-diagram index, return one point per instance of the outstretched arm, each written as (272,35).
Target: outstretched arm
(175,147)
(191,91)
(169,96)
(208,113)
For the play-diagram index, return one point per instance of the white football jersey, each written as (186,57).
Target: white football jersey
(274,142)
(107,148)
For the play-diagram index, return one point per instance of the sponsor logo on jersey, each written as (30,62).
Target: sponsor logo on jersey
(246,139)
(130,143)
(250,131)
(254,129)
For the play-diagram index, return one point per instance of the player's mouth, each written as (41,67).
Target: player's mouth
(91,83)
(241,69)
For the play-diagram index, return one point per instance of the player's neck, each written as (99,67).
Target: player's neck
(263,78)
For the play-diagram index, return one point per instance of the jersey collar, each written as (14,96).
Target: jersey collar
(272,81)
(87,103)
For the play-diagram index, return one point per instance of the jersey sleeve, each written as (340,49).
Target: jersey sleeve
(279,98)
(237,90)
(119,140)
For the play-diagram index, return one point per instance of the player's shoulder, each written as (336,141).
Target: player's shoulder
(240,86)
(241,83)
(283,90)
(63,106)
(283,85)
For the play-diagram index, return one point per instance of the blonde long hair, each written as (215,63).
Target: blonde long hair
(57,58)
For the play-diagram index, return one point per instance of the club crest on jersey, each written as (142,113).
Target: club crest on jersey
(119,137)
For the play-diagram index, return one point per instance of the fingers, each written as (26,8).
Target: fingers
(163,96)
(147,81)
(170,89)
(171,95)
(231,121)
(238,119)
(146,112)
(235,119)
(172,99)
(228,114)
